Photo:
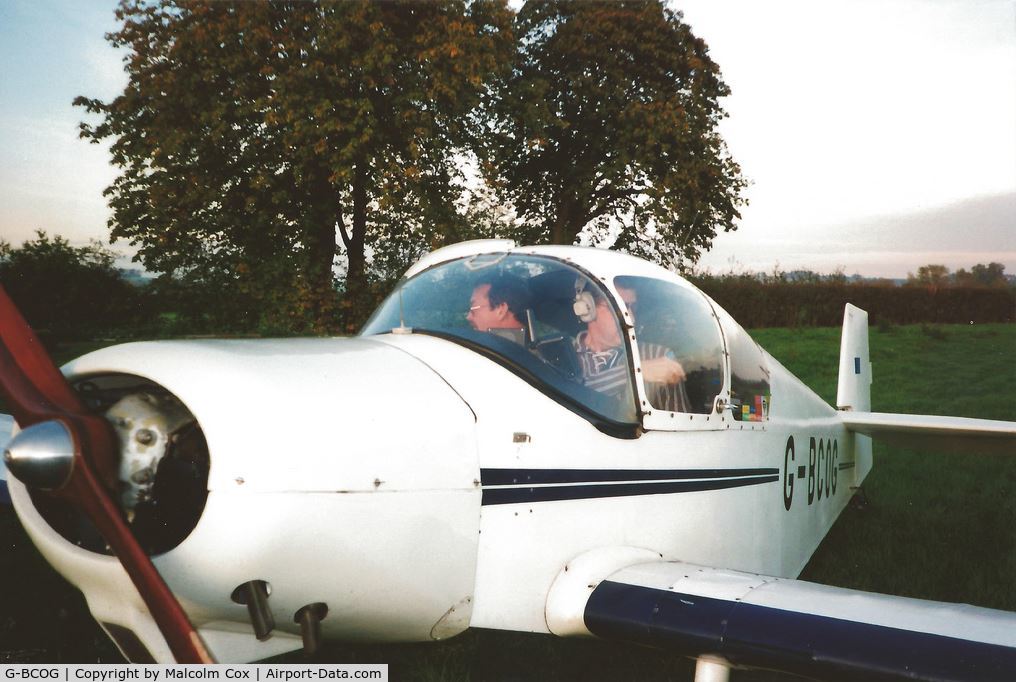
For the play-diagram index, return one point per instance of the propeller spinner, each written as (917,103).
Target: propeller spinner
(41,456)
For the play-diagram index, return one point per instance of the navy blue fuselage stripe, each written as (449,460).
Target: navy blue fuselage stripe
(5,494)
(542,476)
(580,492)
(787,640)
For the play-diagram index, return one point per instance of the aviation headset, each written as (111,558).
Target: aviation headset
(584,305)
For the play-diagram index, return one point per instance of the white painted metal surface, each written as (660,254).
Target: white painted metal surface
(748,528)
(310,414)
(853,387)
(953,434)
(566,602)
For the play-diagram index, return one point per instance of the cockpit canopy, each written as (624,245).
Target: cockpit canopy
(574,335)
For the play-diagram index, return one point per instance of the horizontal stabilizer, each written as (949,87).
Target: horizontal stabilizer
(801,627)
(928,432)
(6,431)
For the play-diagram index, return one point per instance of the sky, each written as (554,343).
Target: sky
(878,135)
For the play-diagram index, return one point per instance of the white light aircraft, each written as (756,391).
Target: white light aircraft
(542,439)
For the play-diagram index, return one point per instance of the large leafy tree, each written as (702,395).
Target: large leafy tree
(608,123)
(258,140)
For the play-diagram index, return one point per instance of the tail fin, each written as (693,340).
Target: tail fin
(853,390)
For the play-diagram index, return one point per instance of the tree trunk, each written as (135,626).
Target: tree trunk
(321,245)
(321,254)
(569,220)
(354,246)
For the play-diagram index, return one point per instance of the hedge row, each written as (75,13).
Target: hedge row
(821,304)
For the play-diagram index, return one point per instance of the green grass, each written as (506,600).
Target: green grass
(934,526)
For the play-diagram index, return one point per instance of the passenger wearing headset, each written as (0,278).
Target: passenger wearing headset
(600,351)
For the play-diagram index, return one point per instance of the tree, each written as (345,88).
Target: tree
(608,123)
(932,276)
(990,275)
(251,134)
(981,275)
(963,278)
(65,290)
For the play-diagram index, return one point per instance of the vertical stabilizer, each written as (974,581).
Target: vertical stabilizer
(853,390)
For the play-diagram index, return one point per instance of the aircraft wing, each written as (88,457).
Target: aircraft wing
(789,625)
(925,432)
(6,430)
(935,433)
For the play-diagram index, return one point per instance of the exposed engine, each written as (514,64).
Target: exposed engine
(163,472)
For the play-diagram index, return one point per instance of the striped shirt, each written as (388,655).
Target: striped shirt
(607,372)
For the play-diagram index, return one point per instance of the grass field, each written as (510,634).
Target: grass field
(934,526)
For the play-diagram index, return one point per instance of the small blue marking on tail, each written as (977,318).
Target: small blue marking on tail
(857,365)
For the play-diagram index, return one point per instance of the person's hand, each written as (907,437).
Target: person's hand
(663,370)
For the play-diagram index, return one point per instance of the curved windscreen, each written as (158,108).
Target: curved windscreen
(750,393)
(679,343)
(541,318)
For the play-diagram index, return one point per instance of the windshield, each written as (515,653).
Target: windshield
(679,344)
(543,319)
(750,393)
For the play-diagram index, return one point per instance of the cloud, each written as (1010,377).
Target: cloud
(983,223)
(959,234)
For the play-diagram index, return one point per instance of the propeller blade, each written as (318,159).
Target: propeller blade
(94,499)
(33,363)
(37,392)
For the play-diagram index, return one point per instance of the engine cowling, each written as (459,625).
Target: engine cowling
(300,463)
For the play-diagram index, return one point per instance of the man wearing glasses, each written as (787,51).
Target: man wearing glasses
(498,305)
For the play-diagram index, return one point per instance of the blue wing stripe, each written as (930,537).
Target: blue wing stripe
(788,640)
(541,476)
(493,496)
